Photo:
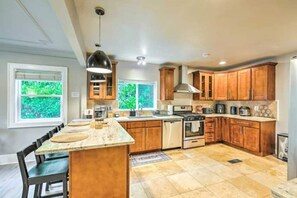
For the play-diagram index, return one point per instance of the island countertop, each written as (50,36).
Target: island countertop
(111,136)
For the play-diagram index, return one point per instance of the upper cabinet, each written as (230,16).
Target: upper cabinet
(244,84)
(167,83)
(220,90)
(204,81)
(103,90)
(232,85)
(263,82)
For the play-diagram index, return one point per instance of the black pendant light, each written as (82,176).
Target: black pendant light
(99,62)
(96,78)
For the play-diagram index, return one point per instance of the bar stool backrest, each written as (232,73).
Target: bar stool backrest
(21,159)
(39,142)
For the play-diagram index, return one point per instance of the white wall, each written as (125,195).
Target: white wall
(12,140)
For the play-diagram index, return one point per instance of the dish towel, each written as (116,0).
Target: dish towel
(195,126)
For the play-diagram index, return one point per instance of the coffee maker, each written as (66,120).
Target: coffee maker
(101,111)
(220,109)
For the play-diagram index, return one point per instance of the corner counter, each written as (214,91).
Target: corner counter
(99,166)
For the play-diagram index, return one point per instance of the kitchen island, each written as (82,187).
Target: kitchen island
(99,165)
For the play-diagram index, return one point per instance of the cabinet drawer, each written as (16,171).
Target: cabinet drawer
(209,137)
(209,119)
(209,127)
(154,123)
(137,124)
(246,123)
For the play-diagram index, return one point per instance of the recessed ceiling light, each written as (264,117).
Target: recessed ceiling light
(222,62)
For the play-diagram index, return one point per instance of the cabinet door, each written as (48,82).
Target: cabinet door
(220,86)
(196,84)
(111,84)
(166,83)
(244,84)
(203,86)
(232,86)
(259,83)
(237,135)
(209,137)
(252,139)
(138,135)
(210,87)
(218,129)
(124,125)
(225,130)
(97,90)
(153,138)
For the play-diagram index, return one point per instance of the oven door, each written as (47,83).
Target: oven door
(193,129)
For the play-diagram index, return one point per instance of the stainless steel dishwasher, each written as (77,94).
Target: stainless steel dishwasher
(172,134)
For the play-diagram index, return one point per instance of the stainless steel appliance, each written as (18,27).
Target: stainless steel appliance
(207,110)
(193,126)
(233,110)
(220,109)
(101,111)
(172,134)
(244,111)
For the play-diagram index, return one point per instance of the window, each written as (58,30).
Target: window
(137,95)
(37,95)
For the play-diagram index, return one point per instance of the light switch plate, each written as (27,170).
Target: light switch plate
(75,94)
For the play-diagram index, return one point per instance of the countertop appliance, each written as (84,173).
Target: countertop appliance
(193,126)
(101,111)
(207,110)
(170,109)
(220,109)
(244,111)
(172,134)
(233,110)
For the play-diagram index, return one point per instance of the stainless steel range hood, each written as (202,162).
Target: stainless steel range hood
(183,86)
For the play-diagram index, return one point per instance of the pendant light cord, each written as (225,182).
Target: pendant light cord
(99,31)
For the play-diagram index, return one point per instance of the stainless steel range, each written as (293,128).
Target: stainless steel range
(193,126)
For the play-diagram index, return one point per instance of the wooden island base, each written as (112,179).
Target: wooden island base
(102,172)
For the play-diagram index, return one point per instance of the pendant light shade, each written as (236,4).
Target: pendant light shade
(99,62)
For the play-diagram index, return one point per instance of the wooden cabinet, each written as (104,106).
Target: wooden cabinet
(225,130)
(103,90)
(251,139)
(236,132)
(209,130)
(167,83)
(244,84)
(153,138)
(218,129)
(232,85)
(204,81)
(220,87)
(263,82)
(139,136)
(147,135)
(256,137)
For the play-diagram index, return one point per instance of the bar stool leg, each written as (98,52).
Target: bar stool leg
(25,191)
(65,192)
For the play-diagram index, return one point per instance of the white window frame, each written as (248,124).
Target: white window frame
(13,106)
(140,82)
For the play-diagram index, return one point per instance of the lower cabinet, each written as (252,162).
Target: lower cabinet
(226,130)
(251,138)
(147,135)
(236,135)
(209,130)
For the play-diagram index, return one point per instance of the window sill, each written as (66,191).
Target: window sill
(33,125)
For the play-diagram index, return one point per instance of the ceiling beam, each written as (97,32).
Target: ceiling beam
(67,15)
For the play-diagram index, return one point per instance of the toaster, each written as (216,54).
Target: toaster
(244,111)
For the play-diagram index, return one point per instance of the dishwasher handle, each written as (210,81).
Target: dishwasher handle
(172,121)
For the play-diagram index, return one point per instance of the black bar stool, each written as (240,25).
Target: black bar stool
(43,172)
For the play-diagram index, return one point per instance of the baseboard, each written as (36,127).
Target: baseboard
(12,159)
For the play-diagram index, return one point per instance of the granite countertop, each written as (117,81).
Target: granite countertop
(285,190)
(251,118)
(113,135)
(145,118)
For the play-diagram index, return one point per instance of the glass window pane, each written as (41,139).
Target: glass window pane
(41,87)
(40,107)
(127,96)
(146,96)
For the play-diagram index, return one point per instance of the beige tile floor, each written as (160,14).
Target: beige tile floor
(205,172)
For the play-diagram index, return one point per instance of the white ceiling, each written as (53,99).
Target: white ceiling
(181,30)
(31,25)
